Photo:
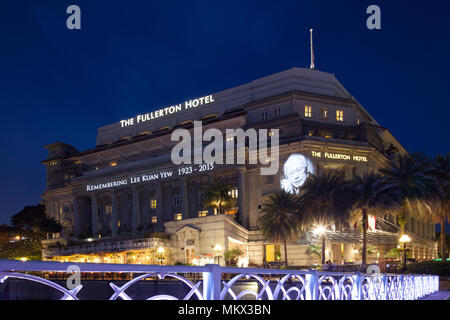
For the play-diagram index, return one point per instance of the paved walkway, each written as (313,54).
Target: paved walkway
(440,295)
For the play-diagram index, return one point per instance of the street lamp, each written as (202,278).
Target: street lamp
(217,249)
(320,231)
(404,239)
(160,252)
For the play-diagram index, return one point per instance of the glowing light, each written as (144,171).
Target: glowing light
(217,247)
(372,223)
(320,230)
(160,250)
(404,238)
(23,259)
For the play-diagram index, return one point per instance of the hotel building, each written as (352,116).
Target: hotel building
(124,201)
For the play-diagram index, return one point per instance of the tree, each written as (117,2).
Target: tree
(324,201)
(218,196)
(314,250)
(409,177)
(280,219)
(439,198)
(232,256)
(32,224)
(29,217)
(371,195)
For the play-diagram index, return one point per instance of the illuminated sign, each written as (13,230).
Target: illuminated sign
(152,176)
(338,156)
(194,103)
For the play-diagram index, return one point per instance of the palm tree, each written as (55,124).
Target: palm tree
(279,220)
(409,177)
(371,194)
(439,199)
(324,200)
(218,196)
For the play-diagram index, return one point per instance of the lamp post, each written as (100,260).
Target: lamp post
(404,239)
(217,249)
(160,252)
(320,230)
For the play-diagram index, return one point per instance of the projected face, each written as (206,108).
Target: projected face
(296,170)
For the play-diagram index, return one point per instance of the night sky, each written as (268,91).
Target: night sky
(133,56)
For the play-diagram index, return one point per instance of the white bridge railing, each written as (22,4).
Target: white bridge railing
(268,284)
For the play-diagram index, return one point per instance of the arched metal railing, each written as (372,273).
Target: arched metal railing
(267,284)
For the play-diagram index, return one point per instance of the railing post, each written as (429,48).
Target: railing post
(402,289)
(385,287)
(311,285)
(357,293)
(212,282)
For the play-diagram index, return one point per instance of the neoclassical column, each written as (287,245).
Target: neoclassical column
(135,212)
(159,207)
(184,197)
(114,213)
(241,196)
(94,215)
(76,216)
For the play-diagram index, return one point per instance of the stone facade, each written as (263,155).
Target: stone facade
(122,189)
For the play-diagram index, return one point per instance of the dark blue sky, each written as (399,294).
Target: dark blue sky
(130,56)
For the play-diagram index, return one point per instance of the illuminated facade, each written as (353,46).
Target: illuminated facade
(125,201)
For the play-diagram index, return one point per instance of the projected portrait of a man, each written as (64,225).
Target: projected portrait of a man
(297,168)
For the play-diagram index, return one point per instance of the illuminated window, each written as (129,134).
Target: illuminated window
(233,192)
(178,216)
(230,137)
(154,219)
(78,162)
(232,211)
(324,113)
(108,208)
(308,111)
(113,163)
(339,115)
(203,213)
(358,121)
(328,135)
(310,133)
(153,203)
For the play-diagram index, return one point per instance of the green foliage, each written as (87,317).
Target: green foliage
(279,220)
(232,256)
(325,200)
(396,253)
(314,250)
(32,224)
(33,219)
(28,248)
(218,196)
